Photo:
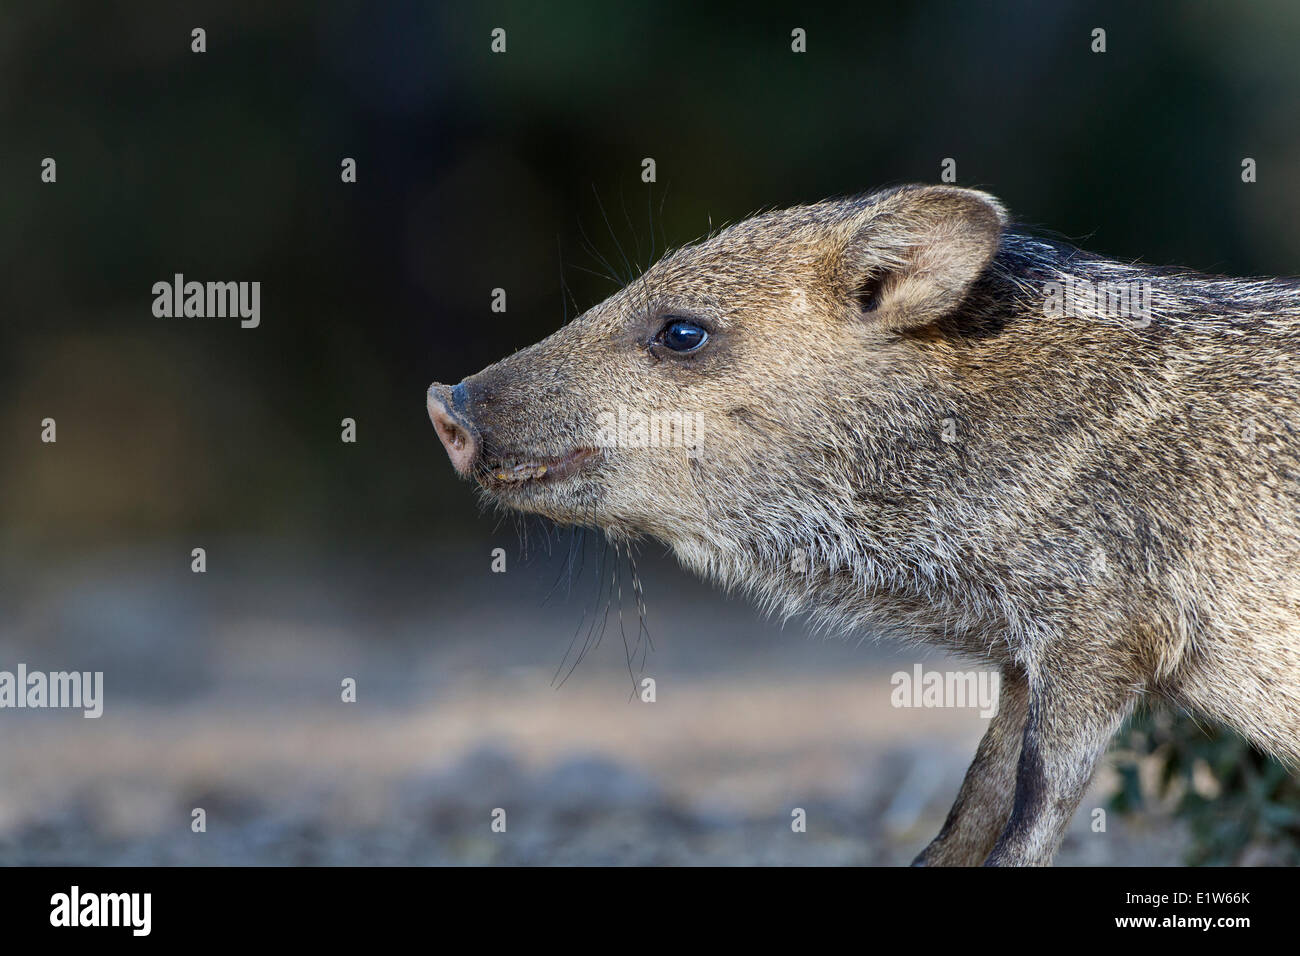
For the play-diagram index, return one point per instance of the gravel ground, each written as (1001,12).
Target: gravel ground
(223,694)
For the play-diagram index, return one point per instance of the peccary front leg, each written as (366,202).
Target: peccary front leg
(984,802)
(1066,733)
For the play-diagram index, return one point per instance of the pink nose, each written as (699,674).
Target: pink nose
(458,436)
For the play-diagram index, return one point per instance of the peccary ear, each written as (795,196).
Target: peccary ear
(912,256)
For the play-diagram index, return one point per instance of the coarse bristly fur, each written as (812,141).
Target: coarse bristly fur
(904,429)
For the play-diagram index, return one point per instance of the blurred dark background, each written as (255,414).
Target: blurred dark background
(477,171)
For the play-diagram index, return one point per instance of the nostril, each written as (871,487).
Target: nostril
(453,430)
(452,435)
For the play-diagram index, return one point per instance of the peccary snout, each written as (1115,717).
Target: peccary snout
(447,409)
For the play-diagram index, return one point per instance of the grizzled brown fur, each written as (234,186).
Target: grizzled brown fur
(901,431)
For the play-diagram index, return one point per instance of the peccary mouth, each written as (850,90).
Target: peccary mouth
(518,470)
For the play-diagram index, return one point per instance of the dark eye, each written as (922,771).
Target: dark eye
(681,335)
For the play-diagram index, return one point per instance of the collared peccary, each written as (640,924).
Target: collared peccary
(918,418)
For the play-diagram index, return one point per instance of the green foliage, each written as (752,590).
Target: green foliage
(1239,803)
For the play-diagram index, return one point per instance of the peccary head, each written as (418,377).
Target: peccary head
(746,393)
